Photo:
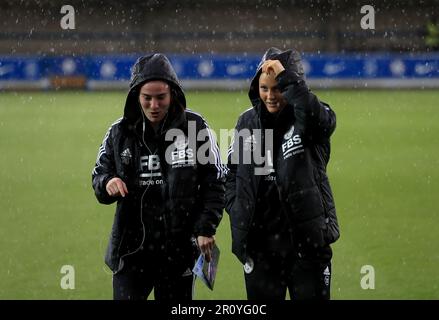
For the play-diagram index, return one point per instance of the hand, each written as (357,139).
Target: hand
(116,187)
(206,246)
(274,66)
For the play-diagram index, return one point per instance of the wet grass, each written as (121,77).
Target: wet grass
(383,172)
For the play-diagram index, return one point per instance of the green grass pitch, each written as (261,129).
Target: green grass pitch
(384,171)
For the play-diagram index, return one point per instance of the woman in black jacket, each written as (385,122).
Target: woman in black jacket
(168,203)
(281,209)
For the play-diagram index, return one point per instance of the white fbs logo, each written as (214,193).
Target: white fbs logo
(150,166)
(182,154)
(292,145)
(151,170)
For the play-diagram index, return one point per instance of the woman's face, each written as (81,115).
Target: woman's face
(270,93)
(155,99)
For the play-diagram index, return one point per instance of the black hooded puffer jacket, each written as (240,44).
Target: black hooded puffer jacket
(300,167)
(193,192)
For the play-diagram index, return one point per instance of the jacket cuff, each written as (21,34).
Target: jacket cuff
(205,231)
(295,91)
(101,192)
(287,78)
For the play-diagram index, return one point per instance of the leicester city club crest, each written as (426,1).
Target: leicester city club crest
(289,133)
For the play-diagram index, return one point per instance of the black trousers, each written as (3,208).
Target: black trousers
(169,283)
(306,278)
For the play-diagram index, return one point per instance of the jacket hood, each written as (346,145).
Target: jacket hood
(287,58)
(155,66)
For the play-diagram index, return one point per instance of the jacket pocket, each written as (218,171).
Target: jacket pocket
(332,229)
(112,254)
(308,218)
(305,205)
(332,232)
(311,233)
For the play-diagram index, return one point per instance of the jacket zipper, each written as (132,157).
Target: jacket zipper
(141,207)
(285,212)
(143,236)
(144,192)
